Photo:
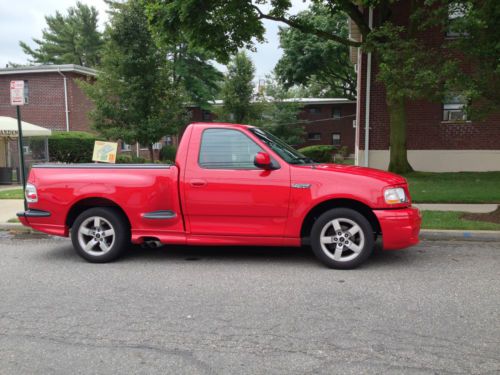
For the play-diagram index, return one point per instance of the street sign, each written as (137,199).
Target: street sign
(105,152)
(16,92)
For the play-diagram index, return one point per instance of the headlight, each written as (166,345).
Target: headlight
(31,193)
(395,196)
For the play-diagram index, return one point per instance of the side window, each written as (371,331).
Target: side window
(227,149)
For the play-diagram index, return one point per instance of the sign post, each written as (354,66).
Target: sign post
(17,98)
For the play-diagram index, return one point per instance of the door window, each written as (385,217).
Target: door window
(227,149)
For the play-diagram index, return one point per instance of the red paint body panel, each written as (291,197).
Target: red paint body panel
(400,228)
(219,206)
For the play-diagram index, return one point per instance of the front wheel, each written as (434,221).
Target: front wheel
(100,234)
(342,238)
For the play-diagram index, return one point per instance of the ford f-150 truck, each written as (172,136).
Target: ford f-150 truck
(230,185)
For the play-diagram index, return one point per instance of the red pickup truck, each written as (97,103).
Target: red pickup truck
(230,185)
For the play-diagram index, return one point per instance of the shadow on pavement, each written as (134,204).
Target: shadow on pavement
(258,255)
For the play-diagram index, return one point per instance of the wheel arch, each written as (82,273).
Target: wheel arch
(315,212)
(92,202)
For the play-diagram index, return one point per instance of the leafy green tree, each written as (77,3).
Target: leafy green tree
(192,69)
(278,113)
(68,39)
(309,60)
(237,89)
(135,97)
(479,41)
(410,68)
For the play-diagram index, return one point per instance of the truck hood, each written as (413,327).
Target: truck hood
(376,174)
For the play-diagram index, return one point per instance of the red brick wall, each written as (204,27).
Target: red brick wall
(425,128)
(46,101)
(79,104)
(324,124)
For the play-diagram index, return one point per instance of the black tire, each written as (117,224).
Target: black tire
(104,247)
(354,249)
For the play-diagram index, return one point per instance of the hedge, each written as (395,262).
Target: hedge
(129,159)
(319,153)
(167,153)
(71,147)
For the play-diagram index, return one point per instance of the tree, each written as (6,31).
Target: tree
(278,113)
(480,43)
(309,60)
(223,26)
(69,39)
(237,90)
(192,69)
(135,98)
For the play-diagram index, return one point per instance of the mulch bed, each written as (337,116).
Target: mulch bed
(492,217)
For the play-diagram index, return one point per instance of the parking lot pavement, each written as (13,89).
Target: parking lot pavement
(430,309)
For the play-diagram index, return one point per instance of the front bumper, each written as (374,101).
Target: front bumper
(400,227)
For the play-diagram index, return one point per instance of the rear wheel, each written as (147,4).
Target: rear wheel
(100,234)
(342,238)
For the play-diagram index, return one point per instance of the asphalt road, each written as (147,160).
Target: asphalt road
(430,309)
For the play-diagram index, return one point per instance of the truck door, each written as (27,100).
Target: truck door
(226,194)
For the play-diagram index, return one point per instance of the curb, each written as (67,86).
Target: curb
(16,227)
(459,235)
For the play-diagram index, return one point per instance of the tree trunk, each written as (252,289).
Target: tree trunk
(151,153)
(398,153)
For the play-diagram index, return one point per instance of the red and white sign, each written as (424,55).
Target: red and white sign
(16,92)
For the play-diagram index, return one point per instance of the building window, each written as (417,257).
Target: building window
(456,11)
(206,115)
(336,112)
(314,136)
(314,110)
(454,108)
(125,146)
(336,139)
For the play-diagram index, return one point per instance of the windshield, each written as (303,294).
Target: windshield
(288,154)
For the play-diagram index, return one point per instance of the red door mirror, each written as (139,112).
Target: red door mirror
(263,160)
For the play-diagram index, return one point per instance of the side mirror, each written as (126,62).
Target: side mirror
(263,160)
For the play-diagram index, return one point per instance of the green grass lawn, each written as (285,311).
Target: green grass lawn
(12,194)
(452,220)
(461,187)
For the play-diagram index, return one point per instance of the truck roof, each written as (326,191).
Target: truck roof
(221,124)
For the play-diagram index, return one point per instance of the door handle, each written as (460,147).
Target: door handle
(198,183)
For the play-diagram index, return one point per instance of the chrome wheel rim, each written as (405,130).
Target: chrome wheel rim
(96,236)
(342,239)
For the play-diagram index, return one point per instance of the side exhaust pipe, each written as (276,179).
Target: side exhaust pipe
(152,244)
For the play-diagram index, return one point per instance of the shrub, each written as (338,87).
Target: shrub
(167,153)
(138,160)
(71,147)
(319,153)
(123,159)
(344,151)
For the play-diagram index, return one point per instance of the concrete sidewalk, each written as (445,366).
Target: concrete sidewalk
(9,208)
(473,208)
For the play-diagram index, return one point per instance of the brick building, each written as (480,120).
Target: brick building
(55,100)
(326,121)
(439,136)
(58,103)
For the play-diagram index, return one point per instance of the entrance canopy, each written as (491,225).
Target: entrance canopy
(8,128)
